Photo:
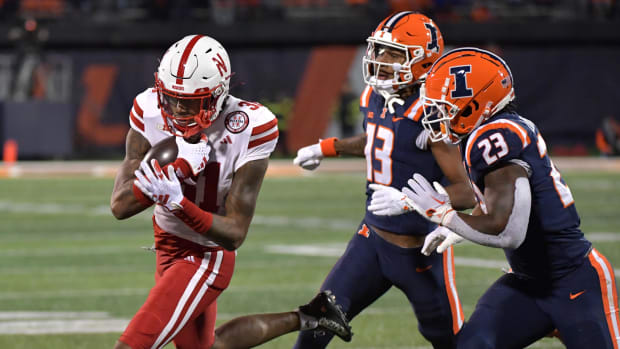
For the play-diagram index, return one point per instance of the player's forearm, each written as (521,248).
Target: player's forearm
(126,201)
(502,228)
(351,145)
(461,196)
(228,232)
(125,204)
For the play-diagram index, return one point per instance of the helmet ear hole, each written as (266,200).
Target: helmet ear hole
(467,111)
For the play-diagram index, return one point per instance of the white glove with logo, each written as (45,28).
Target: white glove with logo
(432,204)
(388,201)
(191,158)
(440,239)
(163,189)
(309,157)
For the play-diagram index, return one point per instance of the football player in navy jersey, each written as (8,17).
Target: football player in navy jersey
(558,280)
(385,251)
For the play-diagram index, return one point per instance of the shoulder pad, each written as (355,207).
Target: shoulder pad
(495,142)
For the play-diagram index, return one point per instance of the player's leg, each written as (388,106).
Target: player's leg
(200,332)
(252,330)
(507,316)
(355,280)
(180,295)
(585,305)
(322,313)
(428,282)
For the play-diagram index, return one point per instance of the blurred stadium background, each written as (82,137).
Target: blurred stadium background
(71,276)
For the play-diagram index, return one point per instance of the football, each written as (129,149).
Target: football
(165,152)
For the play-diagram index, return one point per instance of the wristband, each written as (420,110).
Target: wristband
(145,201)
(328,148)
(199,220)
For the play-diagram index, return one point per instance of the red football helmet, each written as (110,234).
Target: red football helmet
(412,34)
(192,82)
(463,89)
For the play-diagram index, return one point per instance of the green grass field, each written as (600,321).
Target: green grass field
(70,270)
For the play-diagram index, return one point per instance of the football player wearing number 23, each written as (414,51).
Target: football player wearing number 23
(558,280)
(385,251)
(205,201)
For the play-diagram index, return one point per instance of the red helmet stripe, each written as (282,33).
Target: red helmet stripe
(184,58)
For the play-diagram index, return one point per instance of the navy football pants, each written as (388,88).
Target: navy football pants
(371,265)
(515,312)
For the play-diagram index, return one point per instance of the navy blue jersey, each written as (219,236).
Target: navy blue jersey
(392,157)
(554,244)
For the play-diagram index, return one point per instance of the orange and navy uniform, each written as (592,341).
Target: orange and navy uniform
(370,265)
(392,157)
(554,221)
(558,279)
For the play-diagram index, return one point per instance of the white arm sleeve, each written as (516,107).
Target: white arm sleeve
(513,234)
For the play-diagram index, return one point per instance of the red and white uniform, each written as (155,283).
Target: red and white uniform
(191,269)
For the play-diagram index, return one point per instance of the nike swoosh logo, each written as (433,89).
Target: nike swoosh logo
(573,296)
(439,201)
(395,119)
(423,269)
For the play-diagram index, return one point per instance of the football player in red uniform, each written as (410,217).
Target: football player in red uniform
(385,251)
(557,279)
(205,200)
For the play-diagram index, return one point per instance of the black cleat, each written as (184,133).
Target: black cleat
(329,315)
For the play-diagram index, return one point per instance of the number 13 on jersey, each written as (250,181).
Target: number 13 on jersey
(383,174)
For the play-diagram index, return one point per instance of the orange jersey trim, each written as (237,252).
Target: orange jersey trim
(365,97)
(414,112)
(514,127)
(609,294)
(453,297)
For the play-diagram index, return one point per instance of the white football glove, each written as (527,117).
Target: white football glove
(431,204)
(309,157)
(388,201)
(164,189)
(441,238)
(195,157)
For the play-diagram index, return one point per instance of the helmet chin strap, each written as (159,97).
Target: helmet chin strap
(390,99)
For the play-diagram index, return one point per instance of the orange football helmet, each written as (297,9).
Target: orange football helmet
(464,88)
(413,34)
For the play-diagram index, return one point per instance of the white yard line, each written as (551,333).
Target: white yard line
(73,293)
(335,250)
(63,326)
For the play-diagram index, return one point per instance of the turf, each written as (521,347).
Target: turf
(61,250)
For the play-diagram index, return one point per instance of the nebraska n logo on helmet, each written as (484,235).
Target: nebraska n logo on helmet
(411,33)
(192,82)
(464,88)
